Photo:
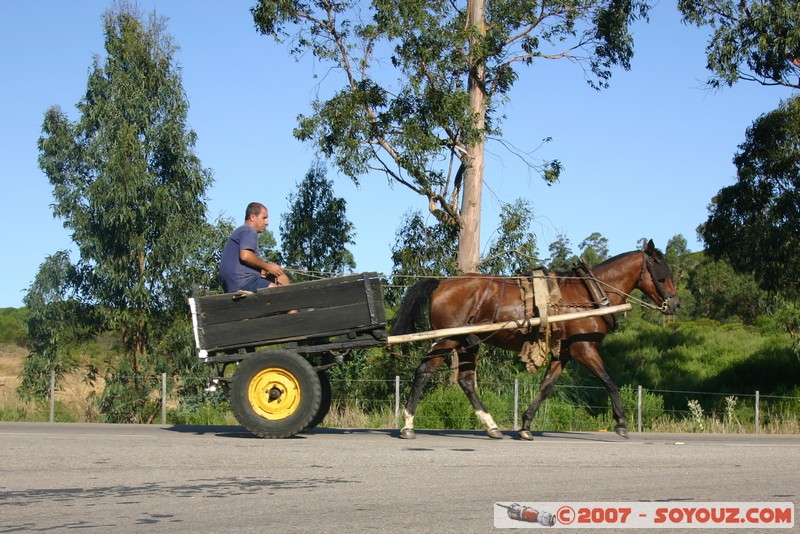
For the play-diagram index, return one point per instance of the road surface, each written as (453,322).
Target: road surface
(148,478)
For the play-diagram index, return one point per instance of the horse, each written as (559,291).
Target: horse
(477,299)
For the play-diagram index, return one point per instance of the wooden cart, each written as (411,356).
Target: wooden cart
(282,341)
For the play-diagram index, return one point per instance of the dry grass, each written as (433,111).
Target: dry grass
(350,416)
(712,425)
(11,358)
(73,396)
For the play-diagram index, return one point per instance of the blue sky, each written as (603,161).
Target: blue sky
(641,159)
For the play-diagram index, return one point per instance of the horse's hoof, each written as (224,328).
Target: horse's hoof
(408,433)
(527,435)
(495,433)
(622,431)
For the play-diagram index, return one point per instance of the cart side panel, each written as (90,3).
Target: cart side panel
(337,306)
(227,307)
(308,324)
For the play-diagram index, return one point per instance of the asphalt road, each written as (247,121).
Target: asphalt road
(121,478)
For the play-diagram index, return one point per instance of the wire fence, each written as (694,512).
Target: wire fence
(576,407)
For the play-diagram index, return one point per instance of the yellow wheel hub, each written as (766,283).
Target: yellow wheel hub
(274,393)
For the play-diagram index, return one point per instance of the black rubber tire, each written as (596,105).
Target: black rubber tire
(325,402)
(275,393)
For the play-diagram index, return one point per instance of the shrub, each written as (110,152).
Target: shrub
(652,406)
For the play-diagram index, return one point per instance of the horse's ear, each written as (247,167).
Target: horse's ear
(650,248)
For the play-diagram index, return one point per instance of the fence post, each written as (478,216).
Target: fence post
(757,422)
(52,395)
(397,401)
(163,398)
(516,404)
(639,410)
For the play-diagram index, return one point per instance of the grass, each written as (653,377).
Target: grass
(448,408)
(672,363)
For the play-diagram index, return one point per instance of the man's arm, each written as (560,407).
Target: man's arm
(251,259)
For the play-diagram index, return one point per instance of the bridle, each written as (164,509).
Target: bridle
(658,272)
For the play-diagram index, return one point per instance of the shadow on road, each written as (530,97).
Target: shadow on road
(240,432)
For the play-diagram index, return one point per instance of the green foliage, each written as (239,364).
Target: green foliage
(37,411)
(128,394)
(12,326)
(422,115)
(369,376)
(201,264)
(753,40)
(129,187)
(561,257)
(721,294)
(678,258)
(211,414)
(594,249)
(652,405)
(125,178)
(419,251)
(315,231)
(514,249)
(447,407)
(57,322)
(701,356)
(755,223)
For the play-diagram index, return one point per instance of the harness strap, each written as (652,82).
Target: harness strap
(542,295)
(596,292)
(477,308)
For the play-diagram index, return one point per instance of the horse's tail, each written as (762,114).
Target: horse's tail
(410,317)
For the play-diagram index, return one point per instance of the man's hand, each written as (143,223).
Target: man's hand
(272,269)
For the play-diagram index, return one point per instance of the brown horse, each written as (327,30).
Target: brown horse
(476,299)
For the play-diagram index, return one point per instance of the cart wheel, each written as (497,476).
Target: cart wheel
(325,403)
(275,393)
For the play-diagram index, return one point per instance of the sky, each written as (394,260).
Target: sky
(641,159)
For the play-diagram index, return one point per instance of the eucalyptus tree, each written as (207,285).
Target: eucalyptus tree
(755,222)
(315,231)
(424,82)
(420,250)
(513,252)
(561,259)
(131,190)
(752,40)
(594,249)
(57,322)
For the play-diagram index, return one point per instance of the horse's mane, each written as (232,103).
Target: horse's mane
(563,274)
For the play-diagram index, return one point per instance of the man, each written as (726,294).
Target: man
(240,267)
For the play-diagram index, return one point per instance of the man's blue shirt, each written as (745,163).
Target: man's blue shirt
(234,274)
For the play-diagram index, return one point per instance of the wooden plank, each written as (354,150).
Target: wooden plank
(510,325)
(306,324)
(317,294)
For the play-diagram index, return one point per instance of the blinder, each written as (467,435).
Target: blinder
(659,272)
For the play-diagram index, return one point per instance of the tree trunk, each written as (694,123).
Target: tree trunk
(470,232)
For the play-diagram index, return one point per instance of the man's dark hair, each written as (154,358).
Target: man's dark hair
(254,208)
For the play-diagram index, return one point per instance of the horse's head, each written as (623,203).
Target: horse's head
(656,280)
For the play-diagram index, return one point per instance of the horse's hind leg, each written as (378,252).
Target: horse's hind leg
(421,377)
(466,379)
(553,372)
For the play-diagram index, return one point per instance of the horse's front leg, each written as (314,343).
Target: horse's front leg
(554,370)
(466,379)
(421,377)
(588,355)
